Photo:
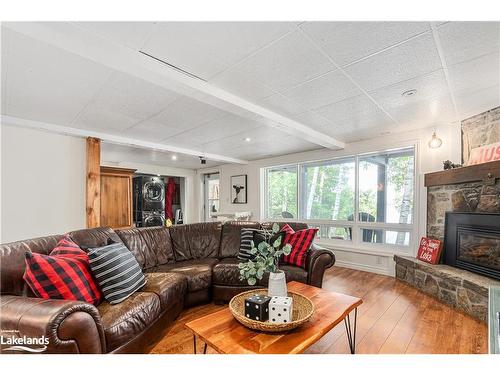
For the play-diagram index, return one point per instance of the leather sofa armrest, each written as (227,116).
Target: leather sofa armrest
(69,326)
(318,260)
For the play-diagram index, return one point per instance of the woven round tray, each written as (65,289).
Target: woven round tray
(303,309)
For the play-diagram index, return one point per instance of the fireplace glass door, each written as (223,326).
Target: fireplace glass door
(480,247)
(472,242)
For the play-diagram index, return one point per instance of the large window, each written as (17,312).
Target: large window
(328,192)
(366,199)
(282,192)
(386,187)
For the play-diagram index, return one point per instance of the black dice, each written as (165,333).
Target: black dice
(257,307)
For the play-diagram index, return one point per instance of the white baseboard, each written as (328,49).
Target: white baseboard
(364,267)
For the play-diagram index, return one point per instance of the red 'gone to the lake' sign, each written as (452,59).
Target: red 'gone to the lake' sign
(429,250)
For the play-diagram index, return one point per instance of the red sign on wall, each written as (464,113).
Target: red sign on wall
(484,154)
(429,250)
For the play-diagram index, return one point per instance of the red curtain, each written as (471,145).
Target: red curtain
(169,197)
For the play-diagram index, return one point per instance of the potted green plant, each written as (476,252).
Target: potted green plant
(267,255)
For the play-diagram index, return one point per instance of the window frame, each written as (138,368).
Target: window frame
(355,243)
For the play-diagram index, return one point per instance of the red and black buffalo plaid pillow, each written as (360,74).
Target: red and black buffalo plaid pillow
(301,243)
(63,274)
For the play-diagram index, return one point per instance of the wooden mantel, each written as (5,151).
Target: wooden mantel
(479,172)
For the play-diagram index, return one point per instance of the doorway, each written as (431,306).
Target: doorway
(211,196)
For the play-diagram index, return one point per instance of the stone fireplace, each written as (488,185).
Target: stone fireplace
(473,196)
(468,200)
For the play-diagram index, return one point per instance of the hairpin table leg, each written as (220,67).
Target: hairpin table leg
(351,331)
(205,348)
(194,343)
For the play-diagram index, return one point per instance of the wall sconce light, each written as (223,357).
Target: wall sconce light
(435,141)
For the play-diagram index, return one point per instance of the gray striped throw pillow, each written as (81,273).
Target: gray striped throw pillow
(116,271)
(247,236)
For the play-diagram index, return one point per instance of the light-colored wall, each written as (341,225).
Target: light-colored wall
(428,160)
(43,183)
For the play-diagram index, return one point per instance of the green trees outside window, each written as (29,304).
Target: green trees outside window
(325,192)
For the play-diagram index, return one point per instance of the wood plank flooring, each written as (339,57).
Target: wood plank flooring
(393,319)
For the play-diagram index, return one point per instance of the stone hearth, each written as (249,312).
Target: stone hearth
(461,289)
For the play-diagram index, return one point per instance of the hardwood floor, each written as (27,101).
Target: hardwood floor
(394,318)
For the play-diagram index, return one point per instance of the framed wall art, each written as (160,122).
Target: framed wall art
(239,189)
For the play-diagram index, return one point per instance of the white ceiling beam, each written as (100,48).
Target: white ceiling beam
(115,56)
(110,138)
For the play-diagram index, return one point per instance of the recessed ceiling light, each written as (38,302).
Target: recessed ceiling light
(409,93)
(174,157)
(248,139)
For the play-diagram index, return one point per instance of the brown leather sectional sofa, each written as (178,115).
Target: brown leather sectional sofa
(185,265)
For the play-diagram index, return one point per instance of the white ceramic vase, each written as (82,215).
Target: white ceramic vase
(277,285)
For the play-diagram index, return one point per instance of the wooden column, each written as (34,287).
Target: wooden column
(93,182)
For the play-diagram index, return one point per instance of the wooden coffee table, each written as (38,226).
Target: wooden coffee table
(225,335)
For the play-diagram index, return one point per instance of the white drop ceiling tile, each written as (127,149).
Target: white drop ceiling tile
(186,113)
(129,34)
(360,106)
(260,138)
(358,129)
(329,88)
(462,41)
(472,103)
(424,112)
(475,74)
(207,48)
(428,86)
(367,133)
(153,131)
(235,82)
(408,60)
(286,63)
(346,42)
(218,129)
(46,83)
(129,97)
(358,123)
(101,118)
(314,121)
(269,149)
(290,142)
(282,105)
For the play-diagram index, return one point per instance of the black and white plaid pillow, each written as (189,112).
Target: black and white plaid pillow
(247,236)
(116,271)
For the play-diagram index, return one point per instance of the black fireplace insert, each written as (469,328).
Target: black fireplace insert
(472,242)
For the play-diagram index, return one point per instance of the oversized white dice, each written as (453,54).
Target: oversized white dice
(280,309)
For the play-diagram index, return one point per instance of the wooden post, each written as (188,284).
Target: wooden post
(93,182)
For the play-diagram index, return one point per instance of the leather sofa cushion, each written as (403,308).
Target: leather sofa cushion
(197,271)
(196,241)
(151,246)
(226,272)
(169,287)
(294,225)
(231,236)
(12,262)
(124,321)
(94,237)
